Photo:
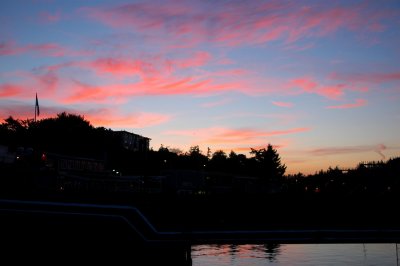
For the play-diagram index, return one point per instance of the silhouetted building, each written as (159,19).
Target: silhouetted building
(133,142)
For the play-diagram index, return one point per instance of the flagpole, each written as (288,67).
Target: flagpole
(35,108)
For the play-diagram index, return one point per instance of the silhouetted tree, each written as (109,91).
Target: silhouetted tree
(237,163)
(218,161)
(71,134)
(14,132)
(67,133)
(196,159)
(177,151)
(165,158)
(269,165)
(13,125)
(208,153)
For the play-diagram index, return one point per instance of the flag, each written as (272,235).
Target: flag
(36,106)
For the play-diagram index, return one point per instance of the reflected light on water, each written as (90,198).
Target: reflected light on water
(295,254)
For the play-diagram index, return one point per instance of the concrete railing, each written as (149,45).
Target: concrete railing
(144,230)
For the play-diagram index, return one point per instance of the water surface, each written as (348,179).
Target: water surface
(296,254)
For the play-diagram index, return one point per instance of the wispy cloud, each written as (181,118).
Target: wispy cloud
(358,103)
(216,103)
(222,136)
(179,75)
(350,149)
(18,110)
(111,118)
(144,66)
(161,77)
(155,86)
(372,77)
(199,58)
(328,87)
(46,83)
(238,23)
(308,85)
(115,66)
(245,135)
(47,49)
(24,110)
(107,117)
(9,90)
(283,104)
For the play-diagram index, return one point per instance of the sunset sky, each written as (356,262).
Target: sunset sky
(319,80)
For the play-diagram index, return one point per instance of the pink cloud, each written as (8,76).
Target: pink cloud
(106,117)
(8,90)
(110,118)
(82,92)
(149,86)
(45,83)
(144,66)
(374,77)
(250,133)
(158,78)
(46,49)
(305,83)
(156,75)
(48,82)
(217,135)
(174,86)
(358,103)
(350,149)
(199,59)
(225,61)
(325,21)
(19,110)
(238,23)
(54,50)
(379,149)
(24,110)
(283,104)
(332,92)
(234,72)
(116,66)
(308,85)
(10,48)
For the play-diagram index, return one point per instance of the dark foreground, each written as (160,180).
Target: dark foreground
(105,228)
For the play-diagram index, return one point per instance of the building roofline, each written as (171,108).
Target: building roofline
(124,131)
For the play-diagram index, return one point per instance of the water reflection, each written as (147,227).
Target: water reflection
(272,251)
(296,254)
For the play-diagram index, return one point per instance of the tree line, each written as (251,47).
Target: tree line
(72,135)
